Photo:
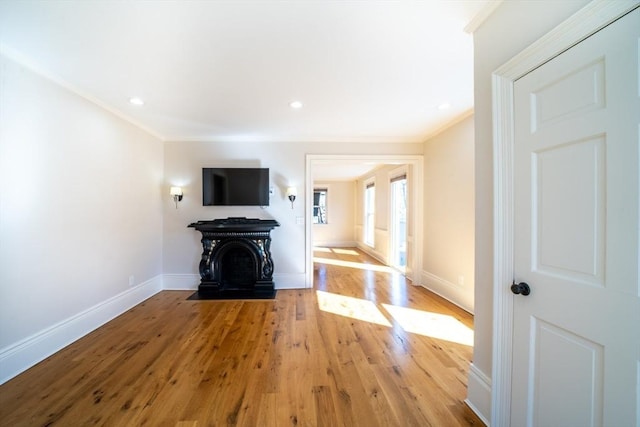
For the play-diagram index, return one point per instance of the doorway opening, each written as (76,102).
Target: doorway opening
(410,251)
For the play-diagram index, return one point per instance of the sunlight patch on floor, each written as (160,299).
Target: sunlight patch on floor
(345,251)
(351,264)
(434,325)
(355,308)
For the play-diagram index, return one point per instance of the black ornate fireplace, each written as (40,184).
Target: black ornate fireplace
(236,260)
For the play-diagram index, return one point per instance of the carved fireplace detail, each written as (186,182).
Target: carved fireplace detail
(236,258)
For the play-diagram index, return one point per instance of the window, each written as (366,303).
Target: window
(369,210)
(320,206)
(398,235)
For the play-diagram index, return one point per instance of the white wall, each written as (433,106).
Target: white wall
(449,214)
(510,29)
(339,230)
(183,163)
(80,216)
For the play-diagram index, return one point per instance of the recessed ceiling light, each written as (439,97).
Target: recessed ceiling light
(444,106)
(296,105)
(136,101)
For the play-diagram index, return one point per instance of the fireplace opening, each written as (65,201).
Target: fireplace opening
(238,269)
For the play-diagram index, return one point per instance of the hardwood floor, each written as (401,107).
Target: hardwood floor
(353,352)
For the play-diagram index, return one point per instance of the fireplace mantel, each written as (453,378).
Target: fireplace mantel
(236,258)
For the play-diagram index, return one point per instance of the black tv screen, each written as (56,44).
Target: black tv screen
(235,186)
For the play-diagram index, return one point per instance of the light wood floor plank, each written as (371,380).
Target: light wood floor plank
(286,362)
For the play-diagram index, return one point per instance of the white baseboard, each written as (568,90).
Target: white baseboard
(333,244)
(289,281)
(372,252)
(180,282)
(479,394)
(22,355)
(190,282)
(449,291)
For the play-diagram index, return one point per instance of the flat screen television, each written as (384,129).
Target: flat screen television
(235,186)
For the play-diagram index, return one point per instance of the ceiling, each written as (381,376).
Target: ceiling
(365,71)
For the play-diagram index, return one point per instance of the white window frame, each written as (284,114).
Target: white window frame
(326,204)
(369,226)
(397,174)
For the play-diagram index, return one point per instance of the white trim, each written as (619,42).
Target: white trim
(190,282)
(479,392)
(638,394)
(465,115)
(326,186)
(316,139)
(445,289)
(584,23)
(416,161)
(482,16)
(19,58)
(369,183)
(503,250)
(180,282)
(24,354)
(372,252)
(398,172)
(289,281)
(393,174)
(335,244)
(581,25)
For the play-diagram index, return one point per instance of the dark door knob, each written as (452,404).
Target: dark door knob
(520,288)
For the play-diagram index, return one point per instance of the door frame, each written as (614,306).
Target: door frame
(587,21)
(416,216)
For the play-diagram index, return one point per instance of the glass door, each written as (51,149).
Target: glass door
(398,250)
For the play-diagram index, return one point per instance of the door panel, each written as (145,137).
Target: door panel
(554,382)
(573,94)
(576,337)
(568,207)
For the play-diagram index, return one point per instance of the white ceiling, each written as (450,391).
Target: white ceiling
(366,71)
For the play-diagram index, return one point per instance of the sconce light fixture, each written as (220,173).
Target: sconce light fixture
(292,192)
(176,192)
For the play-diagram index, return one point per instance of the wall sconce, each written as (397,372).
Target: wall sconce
(292,192)
(176,192)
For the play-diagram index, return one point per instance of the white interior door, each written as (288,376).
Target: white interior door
(576,337)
